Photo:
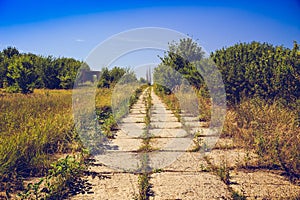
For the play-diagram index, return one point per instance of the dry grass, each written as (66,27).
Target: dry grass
(103,97)
(270,129)
(34,127)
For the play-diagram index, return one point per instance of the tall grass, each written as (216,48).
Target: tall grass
(272,130)
(33,128)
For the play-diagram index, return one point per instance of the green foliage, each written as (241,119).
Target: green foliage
(259,70)
(181,58)
(109,125)
(3,69)
(107,118)
(143,80)
(9,52)
(104,81)
(24,72)
(223,172)
(111,77)
(60,178)
(133,99)
(144,186)
(166,78)
(238,196)
(143,178)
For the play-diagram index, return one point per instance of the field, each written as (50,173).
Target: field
(36,130)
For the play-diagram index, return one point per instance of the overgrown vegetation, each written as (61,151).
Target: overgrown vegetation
(262,89)
(112,104)
(272,130)
(58,182)
(35,129)
(109,78)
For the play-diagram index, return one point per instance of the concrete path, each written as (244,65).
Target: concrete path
(178,169)
(181,176)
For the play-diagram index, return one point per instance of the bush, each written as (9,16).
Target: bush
(259,70)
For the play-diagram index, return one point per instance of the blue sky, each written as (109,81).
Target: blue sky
(73,28)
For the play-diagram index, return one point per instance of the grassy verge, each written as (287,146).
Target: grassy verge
(272,130)
(34,129)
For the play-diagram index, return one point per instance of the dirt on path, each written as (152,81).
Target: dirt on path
(178,170)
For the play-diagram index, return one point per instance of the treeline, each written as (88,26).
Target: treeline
(22,72)
(248,70)
(259,70)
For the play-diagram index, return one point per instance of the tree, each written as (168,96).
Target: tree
(182,57)
(22,71)
(5,57)
(46,72)
(3,69)
(166,78)
(143,80)
(104,81)
(68,69)
(109,78)
(116,74)
(49,73)
(128,78)
(9,52)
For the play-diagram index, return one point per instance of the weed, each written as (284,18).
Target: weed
(144,186)
(197,147)
(109,126)
(237,196)
(59,180)
(204,168)
(157,170)
(223,172)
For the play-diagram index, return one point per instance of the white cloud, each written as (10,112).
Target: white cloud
(79,40)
